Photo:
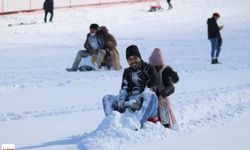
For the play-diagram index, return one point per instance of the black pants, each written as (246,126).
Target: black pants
(51,15)
(169,4)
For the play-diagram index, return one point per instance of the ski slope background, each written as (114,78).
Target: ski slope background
(44,107)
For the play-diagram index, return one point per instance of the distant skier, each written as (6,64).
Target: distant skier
(170,6)
(215,37)
(165,78)
(135,95)
(48,7)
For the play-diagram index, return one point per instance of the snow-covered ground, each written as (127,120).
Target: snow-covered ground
(44,107)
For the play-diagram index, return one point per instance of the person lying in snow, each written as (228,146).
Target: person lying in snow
(165,78)
(135,94)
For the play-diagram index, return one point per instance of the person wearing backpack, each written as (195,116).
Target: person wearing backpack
(165,79)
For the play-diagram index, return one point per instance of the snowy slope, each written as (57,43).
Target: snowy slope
(44,107)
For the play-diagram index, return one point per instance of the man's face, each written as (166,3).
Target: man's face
(92,30)
(134,61)
(216,17)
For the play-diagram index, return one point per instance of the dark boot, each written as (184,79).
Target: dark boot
(166,125)
(213,61)
(216,61)
(71,69)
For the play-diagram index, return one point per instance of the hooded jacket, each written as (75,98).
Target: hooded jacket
(213,28)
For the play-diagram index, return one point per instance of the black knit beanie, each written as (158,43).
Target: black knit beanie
(94,26)
(132,50)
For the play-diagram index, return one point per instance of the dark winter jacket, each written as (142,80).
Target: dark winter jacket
(165,78)
(213,28)
(101,39)
(135,80)
(48,5)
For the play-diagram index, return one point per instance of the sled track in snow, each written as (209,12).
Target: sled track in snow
(47,113)
(209,108)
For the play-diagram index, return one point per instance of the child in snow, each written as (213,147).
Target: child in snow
(165,78)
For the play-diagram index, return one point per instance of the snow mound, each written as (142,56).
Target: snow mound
(118,129)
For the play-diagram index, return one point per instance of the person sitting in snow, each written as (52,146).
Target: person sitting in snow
(135,94)
(165,78)
(111,58)
(95,45)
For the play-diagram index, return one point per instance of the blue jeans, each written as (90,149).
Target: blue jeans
(148,109)
(215,47)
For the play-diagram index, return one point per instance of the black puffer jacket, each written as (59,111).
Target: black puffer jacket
(135,80)
(168,77)
(213,28)
(48,5)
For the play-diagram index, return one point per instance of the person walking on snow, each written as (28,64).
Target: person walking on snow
(214,37)
(170,6)
(135,94)
(48,7)
(165,79)
(95,45)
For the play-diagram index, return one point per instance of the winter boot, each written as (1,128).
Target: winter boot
(213,61)
(216,61)
(71,69)
(166,125)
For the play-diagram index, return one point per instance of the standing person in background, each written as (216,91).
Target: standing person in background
(165,79)
(169,4)
(48,7)
(215,37)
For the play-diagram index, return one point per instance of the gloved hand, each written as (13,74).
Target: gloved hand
(133,104)
(121,106)
(121,103)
